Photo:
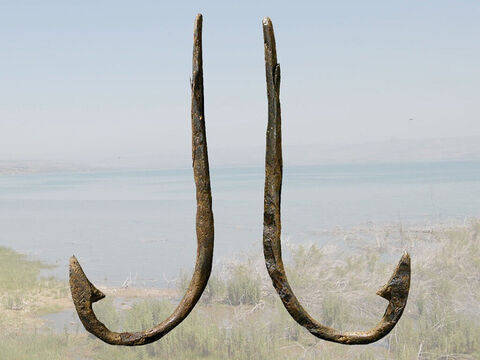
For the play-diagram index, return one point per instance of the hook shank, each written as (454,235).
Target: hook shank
(84,293)
(397,288)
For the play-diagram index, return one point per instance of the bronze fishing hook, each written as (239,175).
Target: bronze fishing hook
(396,289)
(84,293)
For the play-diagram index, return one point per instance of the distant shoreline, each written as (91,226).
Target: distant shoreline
(34,168)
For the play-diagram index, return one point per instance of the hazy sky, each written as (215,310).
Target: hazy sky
(111,78)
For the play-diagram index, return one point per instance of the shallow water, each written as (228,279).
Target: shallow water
(140,225)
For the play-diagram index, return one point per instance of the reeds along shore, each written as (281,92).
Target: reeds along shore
(240,316)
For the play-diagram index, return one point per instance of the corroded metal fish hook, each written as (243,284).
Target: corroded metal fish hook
(396,289)
(84,293)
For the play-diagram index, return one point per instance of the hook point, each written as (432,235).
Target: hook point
(399,282)
(80,285)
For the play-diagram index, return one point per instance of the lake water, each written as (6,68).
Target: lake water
(141,224)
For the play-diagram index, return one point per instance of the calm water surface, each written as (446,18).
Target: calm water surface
(141,224)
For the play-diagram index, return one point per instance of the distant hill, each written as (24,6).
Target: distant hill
(15,167)
(390,151)
(396,150)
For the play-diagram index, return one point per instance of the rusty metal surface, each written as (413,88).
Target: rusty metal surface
(84,293)
(397,288)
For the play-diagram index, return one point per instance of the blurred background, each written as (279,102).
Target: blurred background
(381,143)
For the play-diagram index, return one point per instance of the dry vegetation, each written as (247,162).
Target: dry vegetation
(240,316)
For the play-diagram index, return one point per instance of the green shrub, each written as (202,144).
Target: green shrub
(243,287)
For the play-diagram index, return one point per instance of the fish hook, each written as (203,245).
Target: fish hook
(396,289)
(84,293)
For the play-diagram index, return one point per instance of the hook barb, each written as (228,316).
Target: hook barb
(395,290)
(84,293)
